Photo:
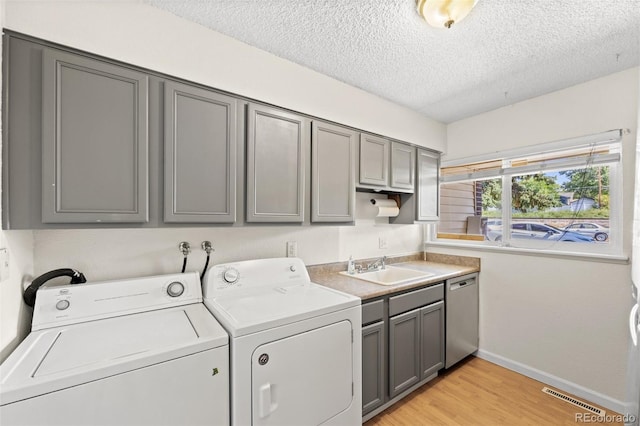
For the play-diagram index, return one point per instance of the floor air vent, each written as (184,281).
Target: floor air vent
(576,402)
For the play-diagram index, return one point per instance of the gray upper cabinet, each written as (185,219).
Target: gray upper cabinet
(403,159)
(333,189)
(94,141)
(386,165)
(277,145)
(427,193)
(374,160)
(199,155)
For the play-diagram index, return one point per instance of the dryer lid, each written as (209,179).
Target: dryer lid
(256,309)
(65,356)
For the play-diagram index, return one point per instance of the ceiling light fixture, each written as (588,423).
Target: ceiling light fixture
(444,13)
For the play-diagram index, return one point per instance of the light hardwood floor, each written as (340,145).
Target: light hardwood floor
(477,392)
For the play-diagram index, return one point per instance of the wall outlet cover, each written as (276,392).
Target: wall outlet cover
(382,243)
(292,249)
(4,264)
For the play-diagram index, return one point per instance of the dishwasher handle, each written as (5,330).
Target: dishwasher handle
(461,284)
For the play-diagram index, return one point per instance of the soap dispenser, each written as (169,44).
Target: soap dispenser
(351,266)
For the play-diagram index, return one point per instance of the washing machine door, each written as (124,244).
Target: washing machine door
(303,379)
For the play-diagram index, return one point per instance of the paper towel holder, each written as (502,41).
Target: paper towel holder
(394,197)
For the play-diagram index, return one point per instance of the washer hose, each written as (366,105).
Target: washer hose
(29,295)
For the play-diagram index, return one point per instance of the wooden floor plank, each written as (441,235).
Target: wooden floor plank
(478,392)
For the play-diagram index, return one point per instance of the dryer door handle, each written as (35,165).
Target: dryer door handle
(266,400)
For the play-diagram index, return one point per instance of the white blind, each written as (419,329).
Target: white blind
(603,148)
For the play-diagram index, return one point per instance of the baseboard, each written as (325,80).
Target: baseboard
(554,381)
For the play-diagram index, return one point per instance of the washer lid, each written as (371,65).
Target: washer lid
(60,357)
(267,307)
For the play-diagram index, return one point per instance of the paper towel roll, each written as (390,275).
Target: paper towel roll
(386,208)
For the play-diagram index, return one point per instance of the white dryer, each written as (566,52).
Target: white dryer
(142,351)
(295,345)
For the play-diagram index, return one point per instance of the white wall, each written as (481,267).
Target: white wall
(115,253)
(14,315)
(147,37)
(564,318)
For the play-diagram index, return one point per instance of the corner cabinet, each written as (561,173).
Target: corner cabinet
(332,173)
(277,144)
(199,155)
(428,170)
(94,141)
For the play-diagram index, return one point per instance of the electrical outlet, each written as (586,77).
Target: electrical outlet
(292,249)
(4,264)
(382,242)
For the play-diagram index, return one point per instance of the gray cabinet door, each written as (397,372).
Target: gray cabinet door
(427,192)
(199,155)
(374,160)
(94,141)
(333,189)
(404,351)
(373,366)
(277,144)
(432,339)
(403,159)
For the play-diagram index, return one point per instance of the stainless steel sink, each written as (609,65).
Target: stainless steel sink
(391,275)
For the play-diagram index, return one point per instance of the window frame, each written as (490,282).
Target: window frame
(612,159)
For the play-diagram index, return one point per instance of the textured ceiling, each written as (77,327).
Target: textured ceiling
(505,51)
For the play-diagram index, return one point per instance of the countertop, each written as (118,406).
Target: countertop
(329,276)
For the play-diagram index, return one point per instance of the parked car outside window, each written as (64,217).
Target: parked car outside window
(534,230)
(598,232)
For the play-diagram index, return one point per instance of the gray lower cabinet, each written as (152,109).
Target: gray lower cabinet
(416,337)
(427,191)
(404,351)
(373,366)
(432,330)
(277,145)
(333,189)
(94,141)
(199,155)
(403,159)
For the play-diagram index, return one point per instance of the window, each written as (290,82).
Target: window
(560,196)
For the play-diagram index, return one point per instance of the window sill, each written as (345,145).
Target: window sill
(597,257)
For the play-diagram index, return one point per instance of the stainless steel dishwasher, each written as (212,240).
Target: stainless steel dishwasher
(461,306)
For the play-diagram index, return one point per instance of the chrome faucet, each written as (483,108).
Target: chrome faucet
(378,264)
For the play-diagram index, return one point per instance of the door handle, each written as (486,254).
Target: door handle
(633,324)
(266,404)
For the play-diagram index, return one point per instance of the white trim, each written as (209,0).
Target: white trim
(483,246)
(557,382)
(542,148)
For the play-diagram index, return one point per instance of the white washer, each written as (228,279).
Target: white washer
(143,351)
(295,345)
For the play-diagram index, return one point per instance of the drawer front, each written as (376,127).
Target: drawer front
(415,299)
(372,312)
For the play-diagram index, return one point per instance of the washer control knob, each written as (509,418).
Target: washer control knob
(62,305)
(292,268)
(231,275)
(175,289)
